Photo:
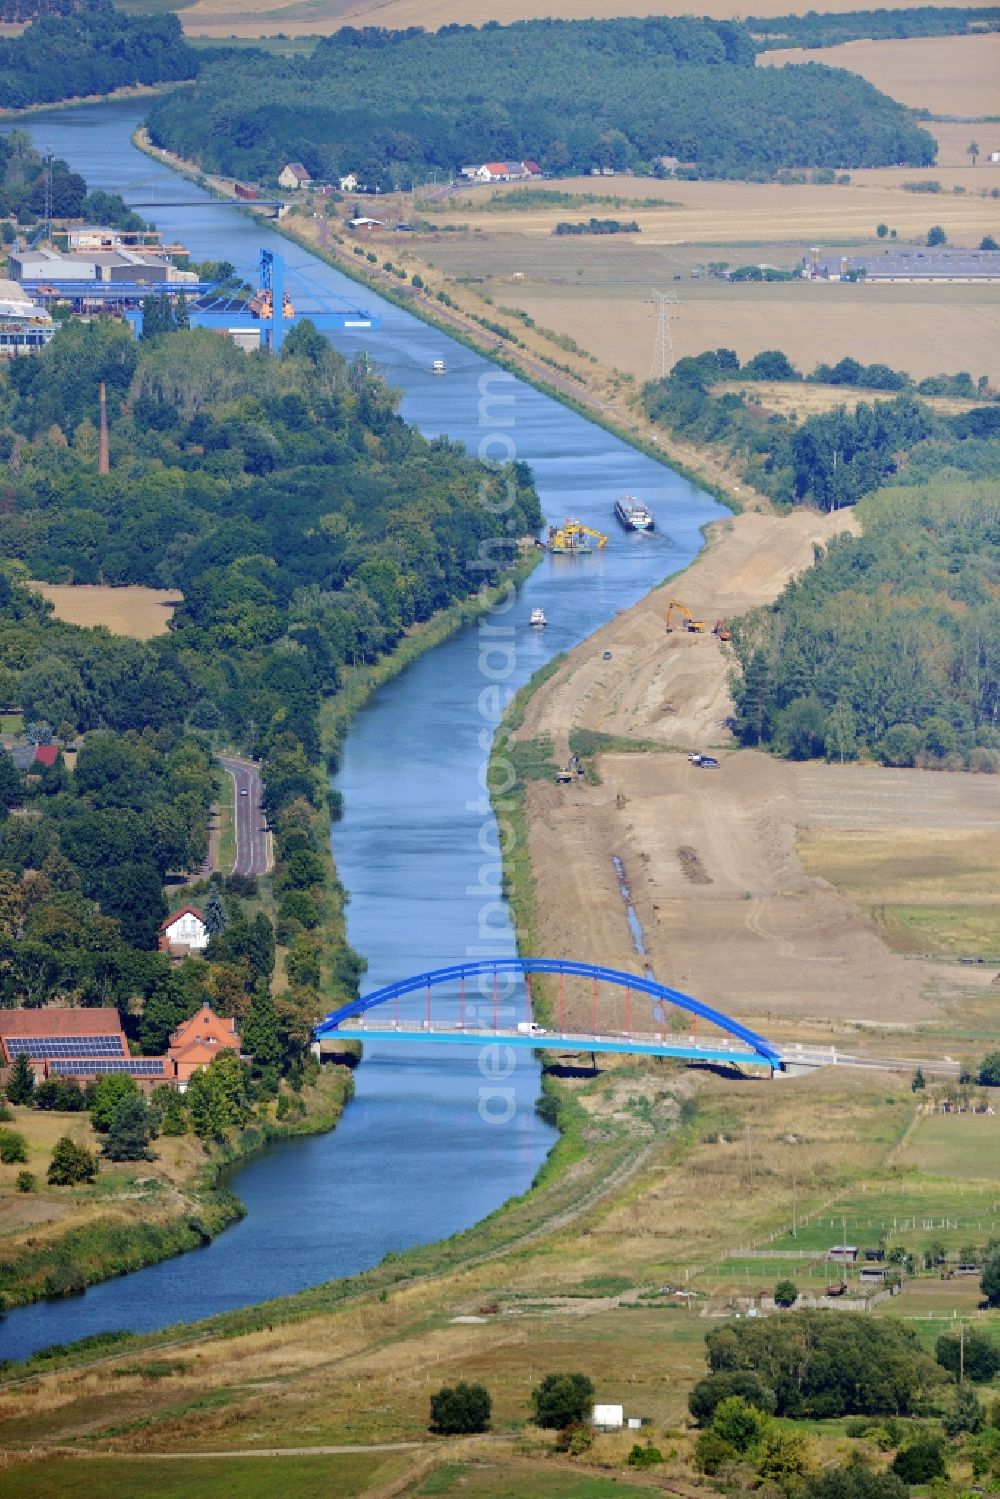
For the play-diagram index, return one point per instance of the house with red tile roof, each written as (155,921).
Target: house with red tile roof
(63,1041)
(198,1041)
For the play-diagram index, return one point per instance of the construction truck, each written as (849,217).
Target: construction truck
(692,625)
(721,629)
(574,538)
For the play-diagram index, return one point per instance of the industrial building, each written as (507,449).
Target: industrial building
(904,265)
(107,266)
(24,326)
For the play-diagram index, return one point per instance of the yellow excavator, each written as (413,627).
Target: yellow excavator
(692,625)
(574,537)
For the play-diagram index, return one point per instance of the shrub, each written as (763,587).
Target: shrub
(714,1388)
(644,1457)
(981,1355)
(562,1400)
(130,1130)
(13,1147)
(855,1481)
(26,1181)
(936,235)
(920,1460)
(989,1280)
(460,1408)
(70,1164)
(108,1092)
(966,1414)
(6,1114)
(989,1071)
(786,1293)
(739,1424)
(710,1452)
(62,1094)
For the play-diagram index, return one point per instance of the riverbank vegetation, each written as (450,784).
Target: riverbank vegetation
(309,531)
(832,458)
(890,645)
(641,89)
(91,49)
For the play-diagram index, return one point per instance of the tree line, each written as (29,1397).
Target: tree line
(890,645)
(23,189)
(832,28)
(90,49)
(833,458)
(389,105)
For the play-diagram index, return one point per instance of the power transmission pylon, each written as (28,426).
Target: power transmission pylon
(663,350)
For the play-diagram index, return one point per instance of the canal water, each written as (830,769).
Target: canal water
(430,1143)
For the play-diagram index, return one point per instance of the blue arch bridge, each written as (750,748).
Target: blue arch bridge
(489,1000)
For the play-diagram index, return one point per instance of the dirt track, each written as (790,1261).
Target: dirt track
(736,921)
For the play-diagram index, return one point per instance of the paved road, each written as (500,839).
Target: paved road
(253,841)
(827,1056)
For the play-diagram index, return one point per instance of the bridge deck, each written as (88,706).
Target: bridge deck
(417,1032)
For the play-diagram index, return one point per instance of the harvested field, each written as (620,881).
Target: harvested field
(597,290)
(219,18)
(949,75)
(135,611)
(795,399)
(752,214)
(922,329)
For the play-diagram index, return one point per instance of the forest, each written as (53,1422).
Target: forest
(571,94)
(831,28)
(890,645)
(832,458)
(90,49)
(307,526)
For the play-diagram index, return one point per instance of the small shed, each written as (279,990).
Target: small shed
(846,1253)
(608,1417)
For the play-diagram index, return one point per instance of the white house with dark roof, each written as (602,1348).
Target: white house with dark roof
(294,175)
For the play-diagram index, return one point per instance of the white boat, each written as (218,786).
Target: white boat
(439,367)
(538,617)
(633,516)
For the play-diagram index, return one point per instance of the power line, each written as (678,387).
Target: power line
(663,349)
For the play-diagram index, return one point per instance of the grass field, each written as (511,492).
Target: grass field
(226,836)
(135,611)
(928,892)
(951,75)
(960,1146)
(305,1477)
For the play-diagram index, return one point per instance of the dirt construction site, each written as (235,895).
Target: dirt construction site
(711,859)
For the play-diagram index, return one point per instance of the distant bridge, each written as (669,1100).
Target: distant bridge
(468,1025)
